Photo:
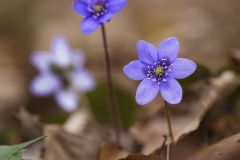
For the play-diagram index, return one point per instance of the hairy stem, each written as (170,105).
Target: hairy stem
(169,122)
(113,108)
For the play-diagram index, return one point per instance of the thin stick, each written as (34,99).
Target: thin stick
(159,151)
(163,144)
(169,122)
(168,148)
(113,108)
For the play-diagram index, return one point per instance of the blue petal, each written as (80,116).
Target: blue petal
(81,8)
(78,59)
(83,80)
(182,68)
(147,52)
(116,5)
(171,91)
(105,17)
(135,70)
(41,60)
(89,25)
(61,51)
(45,84)
(67,100)
(169,49)
(146,91)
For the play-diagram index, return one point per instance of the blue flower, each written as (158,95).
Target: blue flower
(61,74)
(97,12)
(158,68)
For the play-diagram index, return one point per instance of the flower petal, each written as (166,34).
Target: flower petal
(169,49)
(147,52)
(81,8)
(182,68)
(61,51)
(83,80)
(78,59)
(171,91)
(105,17)
(135,70)
(44,85)
(67,100)
(116,5)
(89,25)
(41,60)
(146,91)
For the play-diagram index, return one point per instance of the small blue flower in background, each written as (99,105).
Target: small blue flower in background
(158,68)
(96,12)
(61,73)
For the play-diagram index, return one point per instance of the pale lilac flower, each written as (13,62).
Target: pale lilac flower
(62,74)
(158,68)
(97,12)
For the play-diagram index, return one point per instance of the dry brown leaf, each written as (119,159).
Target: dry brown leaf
(110,152)
(141,156)
(72,141)
(78,120)
(80,138)
(65,145)
(61,144)
(227,149)
(31,128)
(187,115)
(30,124)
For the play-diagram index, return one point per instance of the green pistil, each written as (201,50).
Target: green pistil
(158,71)
(98,8)
(65,82)
(56,69)
(70,68)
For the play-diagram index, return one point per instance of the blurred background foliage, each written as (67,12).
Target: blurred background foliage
(208,32)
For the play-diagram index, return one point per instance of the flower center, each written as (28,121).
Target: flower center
(158,71)
(56,69)
(62,73)
(97,8)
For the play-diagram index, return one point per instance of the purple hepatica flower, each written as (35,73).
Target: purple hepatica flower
(158,69)
(96,12)
(61,74)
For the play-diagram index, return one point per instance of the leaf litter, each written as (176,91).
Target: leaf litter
(187,115)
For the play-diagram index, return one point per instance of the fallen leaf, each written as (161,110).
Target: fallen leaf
(78,138)
(30,124)
(110,152)
(65,145)
(31,128)
(226,149)
(78,121)
(141,156)
(187,115)
(81,137)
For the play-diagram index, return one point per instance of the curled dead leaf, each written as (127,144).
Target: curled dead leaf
(187,115)
(64,145)
(110,152)
(31,128)
(141,156)
(227,149)
(80,138)
(30,124)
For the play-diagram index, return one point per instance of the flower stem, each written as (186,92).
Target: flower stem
(113,108)
(169,122)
